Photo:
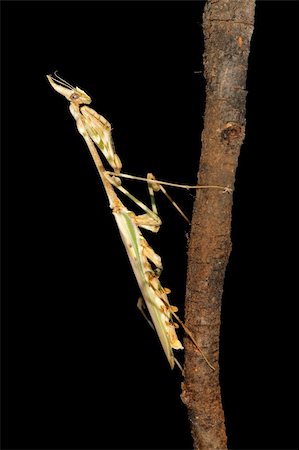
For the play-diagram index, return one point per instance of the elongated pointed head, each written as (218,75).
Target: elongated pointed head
(71,93)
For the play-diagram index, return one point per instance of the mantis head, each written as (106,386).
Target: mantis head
(71,93)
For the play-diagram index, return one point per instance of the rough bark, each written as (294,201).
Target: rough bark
(228,27)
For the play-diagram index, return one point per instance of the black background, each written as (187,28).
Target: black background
(80,366)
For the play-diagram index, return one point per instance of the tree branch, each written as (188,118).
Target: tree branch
(228,27)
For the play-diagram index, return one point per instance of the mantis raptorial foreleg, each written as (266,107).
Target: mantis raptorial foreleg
(101,136)
(146,264)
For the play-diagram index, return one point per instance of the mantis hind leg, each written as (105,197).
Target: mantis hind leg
(142,308)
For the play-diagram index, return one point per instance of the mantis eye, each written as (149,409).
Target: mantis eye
(74,97)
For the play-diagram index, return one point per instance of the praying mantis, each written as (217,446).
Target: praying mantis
(145,262)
